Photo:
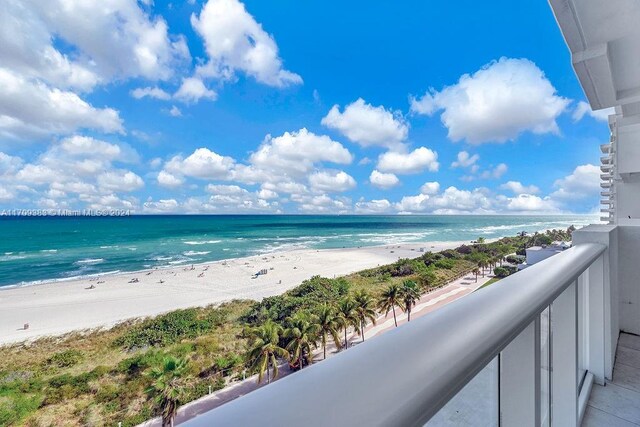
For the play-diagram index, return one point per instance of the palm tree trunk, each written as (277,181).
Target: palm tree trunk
(393,307)
(268,372)
(362,329)
(345,337)
(408,314)
(324,346)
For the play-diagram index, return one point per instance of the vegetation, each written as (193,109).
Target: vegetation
(301,335)
(167,387)
(410,294)
(141,369)
(264,349)
(389,299)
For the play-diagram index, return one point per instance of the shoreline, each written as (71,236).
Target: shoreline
(59,307)
(95,276)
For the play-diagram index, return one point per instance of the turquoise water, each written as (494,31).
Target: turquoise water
(55,248)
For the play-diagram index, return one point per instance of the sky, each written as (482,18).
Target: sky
(222,106)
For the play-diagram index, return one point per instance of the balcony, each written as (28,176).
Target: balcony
(536,348)
(540,348)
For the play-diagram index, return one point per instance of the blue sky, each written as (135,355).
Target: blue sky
(221,106)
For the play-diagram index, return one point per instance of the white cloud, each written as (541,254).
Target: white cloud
(496,172)
(383,180)
(451,201)
(175,112)
(373,206)
(202,163)
(368,125)
(465,160)
(151,92)
(584,108)
(9,164)
(118,38)
(78,145)
(497,103)
(294,154)
(161,206)
(529,202)
(234,41)
(407,163)
(332,181)
(193,89)
(583,182)
(120,181)
(226,190)
(5,195)
(416,203)
(73,170)
(289,187)
(168,180)
(33,109)
(323,204)
(430,188)
(267,194)
(516,187)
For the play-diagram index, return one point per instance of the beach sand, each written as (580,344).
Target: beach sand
(60,307)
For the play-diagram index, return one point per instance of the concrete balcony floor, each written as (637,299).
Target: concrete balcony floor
(617,404)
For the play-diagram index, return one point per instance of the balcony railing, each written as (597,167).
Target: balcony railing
(523,351)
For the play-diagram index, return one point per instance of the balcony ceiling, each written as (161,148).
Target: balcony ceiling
(604,39)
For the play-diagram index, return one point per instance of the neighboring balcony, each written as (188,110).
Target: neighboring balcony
(525,351)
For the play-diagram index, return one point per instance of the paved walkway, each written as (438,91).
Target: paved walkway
(428,303)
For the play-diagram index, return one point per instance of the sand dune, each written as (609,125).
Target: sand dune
(61,307)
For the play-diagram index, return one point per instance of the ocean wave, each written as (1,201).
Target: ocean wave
(11,257)
(49,251)
(201,242)
(162,258)
(90,261)
(192,253)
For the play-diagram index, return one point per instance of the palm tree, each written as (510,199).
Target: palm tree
(388,300)
(364,309)
(328,325)
(167,387)
(347,316)
(476,271)
(264,349)
(482,264)
(301,334)
(410,294)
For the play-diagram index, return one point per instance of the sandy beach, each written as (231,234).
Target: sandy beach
(61,307)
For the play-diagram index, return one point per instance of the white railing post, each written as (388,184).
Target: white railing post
(595,347)
(564,358)
(520,379)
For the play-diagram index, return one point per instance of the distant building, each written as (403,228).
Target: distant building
(535,254)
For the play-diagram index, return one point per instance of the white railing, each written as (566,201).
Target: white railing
(530,345)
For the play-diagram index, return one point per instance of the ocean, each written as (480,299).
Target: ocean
(33,250)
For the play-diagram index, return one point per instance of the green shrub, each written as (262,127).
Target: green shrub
(65,359)
(516,259)
(172,327)
(446,264)
(15,407)
(501,272)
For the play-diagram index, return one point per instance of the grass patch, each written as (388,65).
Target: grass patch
(490,281)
